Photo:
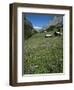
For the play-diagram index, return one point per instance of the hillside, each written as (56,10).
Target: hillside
(54,25)
(28,28)
(58,20)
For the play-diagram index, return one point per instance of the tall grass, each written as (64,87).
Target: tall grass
(43,55)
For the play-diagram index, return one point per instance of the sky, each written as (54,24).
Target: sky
(39,20)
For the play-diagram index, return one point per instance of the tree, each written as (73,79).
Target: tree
(51,28)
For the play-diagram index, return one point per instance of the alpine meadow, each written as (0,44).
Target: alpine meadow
(43,43)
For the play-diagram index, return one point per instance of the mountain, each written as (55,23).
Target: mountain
(38,29)
(27,28)
(57,20)
(56,23)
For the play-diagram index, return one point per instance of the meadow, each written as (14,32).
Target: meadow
(43,55)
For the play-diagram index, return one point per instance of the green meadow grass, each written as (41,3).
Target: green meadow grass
(43,55)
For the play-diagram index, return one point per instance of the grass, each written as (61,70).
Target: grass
(43,55)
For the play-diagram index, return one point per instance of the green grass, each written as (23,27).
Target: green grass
(43,55)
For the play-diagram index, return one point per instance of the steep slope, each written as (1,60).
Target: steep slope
(55,24)
(27,28)
(56,20)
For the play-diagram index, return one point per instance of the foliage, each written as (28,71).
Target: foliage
(34,31)
(55,28)
(51,28)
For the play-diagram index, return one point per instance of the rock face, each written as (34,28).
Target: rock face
(57,20)
(27,28)
(56,24)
